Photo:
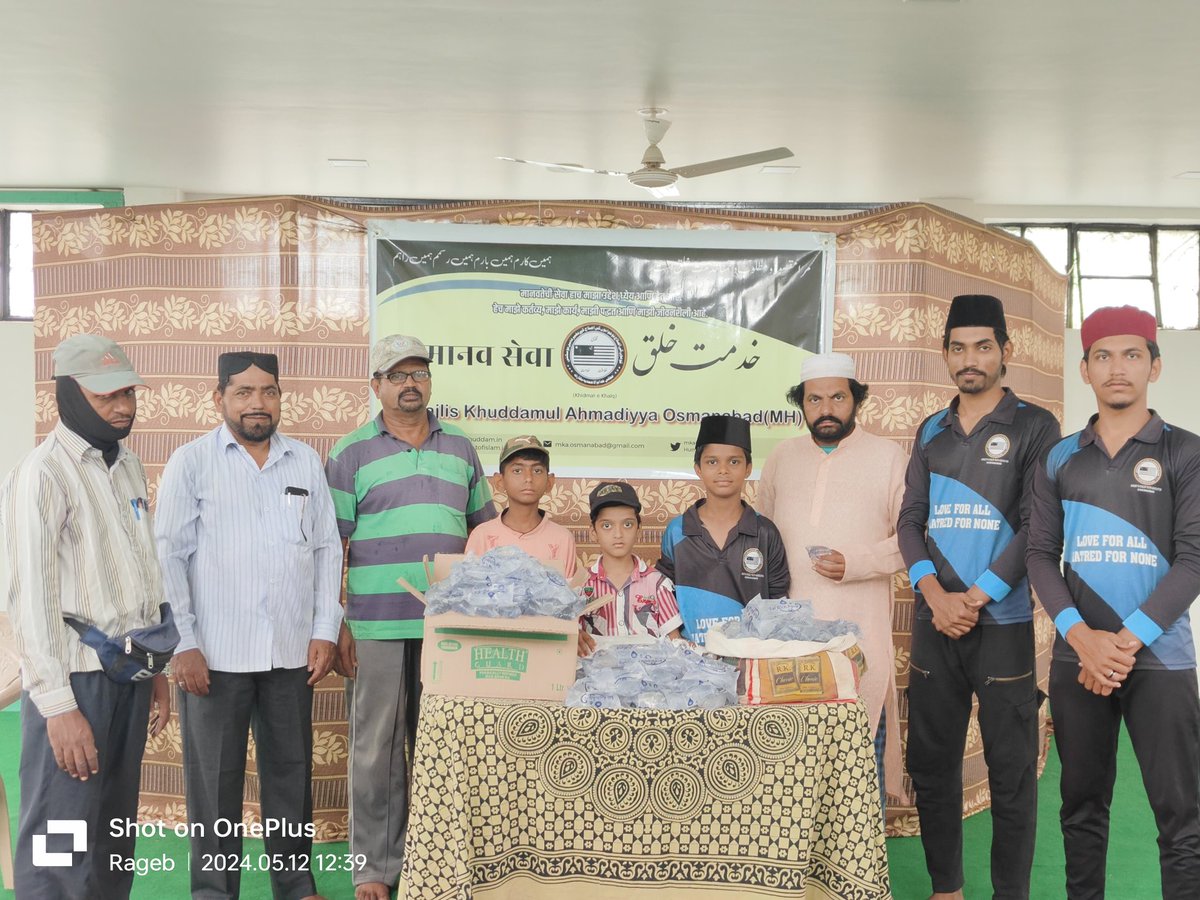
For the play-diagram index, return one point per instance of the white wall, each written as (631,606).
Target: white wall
(16,415)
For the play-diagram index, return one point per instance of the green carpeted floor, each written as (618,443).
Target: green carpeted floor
(1132,860)
(1132,853)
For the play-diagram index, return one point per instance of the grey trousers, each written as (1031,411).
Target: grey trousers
(277,705)
(118,715)
(384,702)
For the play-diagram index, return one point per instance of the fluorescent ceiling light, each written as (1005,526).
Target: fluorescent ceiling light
(1194,175)
(348,163)
(779,170)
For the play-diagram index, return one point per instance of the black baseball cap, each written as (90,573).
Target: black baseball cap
(614,493)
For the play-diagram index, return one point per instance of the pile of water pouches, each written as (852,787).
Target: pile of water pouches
(662,675)
(504,583)
(784,620)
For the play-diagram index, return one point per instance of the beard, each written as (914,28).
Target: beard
(982,383)
(253,430)
(823,435)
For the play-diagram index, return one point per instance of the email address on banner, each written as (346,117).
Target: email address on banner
(574,309)
(599,445)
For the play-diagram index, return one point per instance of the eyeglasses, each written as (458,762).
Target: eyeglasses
(401,377)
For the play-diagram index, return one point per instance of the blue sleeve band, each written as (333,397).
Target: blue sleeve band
(993,585)
(1066,620)
(1144,628)
(920,570)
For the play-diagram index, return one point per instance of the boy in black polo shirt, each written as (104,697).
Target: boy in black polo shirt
(1123,495)
(962,531)
(720,553)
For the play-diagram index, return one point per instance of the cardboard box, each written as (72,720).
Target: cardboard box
(792,671)
(525,658)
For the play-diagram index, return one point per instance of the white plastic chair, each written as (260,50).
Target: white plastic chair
(10,690)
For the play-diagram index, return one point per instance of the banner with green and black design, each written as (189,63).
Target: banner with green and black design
(609,345)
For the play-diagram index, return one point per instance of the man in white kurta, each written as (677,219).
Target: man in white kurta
(837,489)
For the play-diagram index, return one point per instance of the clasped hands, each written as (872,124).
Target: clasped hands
(954,612)
(1105,658)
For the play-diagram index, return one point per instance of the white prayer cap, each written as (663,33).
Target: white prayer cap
(827,365)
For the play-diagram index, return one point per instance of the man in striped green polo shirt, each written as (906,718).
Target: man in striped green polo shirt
(404,485)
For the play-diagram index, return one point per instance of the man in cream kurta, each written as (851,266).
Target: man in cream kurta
(835,495)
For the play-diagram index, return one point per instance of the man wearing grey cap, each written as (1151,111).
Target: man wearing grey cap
(835,495)
(404,486)
(80,544)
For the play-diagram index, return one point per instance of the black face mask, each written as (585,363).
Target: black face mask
(77,413)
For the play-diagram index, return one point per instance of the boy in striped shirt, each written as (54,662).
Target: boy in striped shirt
(643,600)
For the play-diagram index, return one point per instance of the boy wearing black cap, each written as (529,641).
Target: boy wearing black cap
(1123,498)
(721,554)
(643,602)
(962,532)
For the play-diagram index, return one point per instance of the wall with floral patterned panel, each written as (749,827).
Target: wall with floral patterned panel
(177,285)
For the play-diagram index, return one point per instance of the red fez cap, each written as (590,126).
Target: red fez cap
(1112,320)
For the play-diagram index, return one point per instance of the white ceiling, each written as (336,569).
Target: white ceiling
(1000,102)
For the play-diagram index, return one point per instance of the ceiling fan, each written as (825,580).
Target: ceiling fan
(653,175)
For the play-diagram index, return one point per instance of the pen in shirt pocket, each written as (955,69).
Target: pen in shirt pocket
(291,492)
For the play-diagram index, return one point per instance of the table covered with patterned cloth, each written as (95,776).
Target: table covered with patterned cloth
(528,799)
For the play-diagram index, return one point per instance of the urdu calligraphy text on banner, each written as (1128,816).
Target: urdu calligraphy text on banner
(608,345)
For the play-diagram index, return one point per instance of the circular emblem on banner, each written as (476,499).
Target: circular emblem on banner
(997,446)
(752,560)
(1148,471)
(594,355)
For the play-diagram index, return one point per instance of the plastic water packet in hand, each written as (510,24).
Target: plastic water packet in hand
(662,675)
(504,583)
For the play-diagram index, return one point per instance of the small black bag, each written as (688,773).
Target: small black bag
(136,655)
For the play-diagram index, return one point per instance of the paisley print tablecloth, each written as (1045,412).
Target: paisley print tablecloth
(525,800)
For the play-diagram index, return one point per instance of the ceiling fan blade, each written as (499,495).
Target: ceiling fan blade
(661,193)
(732,162)
(560,167)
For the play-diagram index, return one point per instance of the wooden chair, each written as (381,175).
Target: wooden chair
(10,690)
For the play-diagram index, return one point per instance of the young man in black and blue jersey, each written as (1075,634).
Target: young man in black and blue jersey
(1119,502)
(962,532)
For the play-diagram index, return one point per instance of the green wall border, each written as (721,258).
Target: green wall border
(107,199)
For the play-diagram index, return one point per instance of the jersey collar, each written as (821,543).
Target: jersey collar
(1150,433)
(747,524)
